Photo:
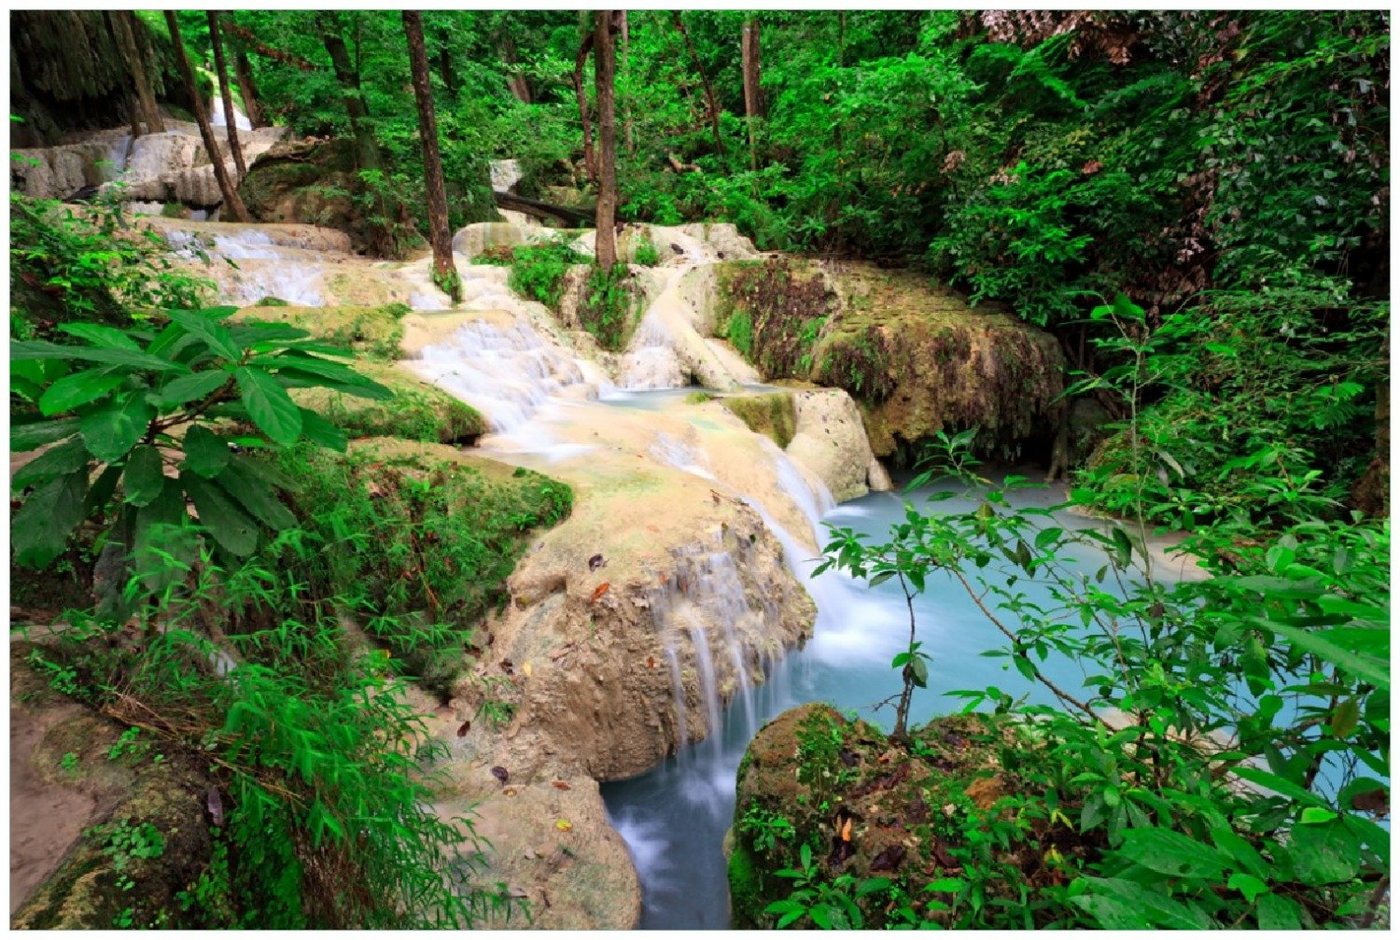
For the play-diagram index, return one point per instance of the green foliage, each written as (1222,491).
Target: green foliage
(125,843)
(646,254)
(417,547)
(69,264)
(773,311)
(537,271)
(828,904)
(610,306)
(1200,670)
(115,417)
(414,415)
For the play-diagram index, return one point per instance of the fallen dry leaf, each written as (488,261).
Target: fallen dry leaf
(465,727)
(526,669)
(501,774)
(561,785)
(598,592)
(563,825)
(846,831)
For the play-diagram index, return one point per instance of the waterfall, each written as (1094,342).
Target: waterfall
(678,691)
(507,372)
(709,688)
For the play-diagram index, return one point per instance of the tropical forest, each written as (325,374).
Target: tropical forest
(713,469)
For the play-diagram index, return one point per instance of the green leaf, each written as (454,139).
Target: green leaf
(144,477)
(1248,885)
(164,546)
(68,457)
(215,336)
(205,452)
(190,387)
(78,389)
(318,430)
(114,429)
(1276,912)
(920,670)
(1119,904)
(221,516)
(1324,853)
(1171,853)
(1124,546)
(38,349)
(1371,669)
(27,437)
(39,531)
(99,335)
(269,405)
(256,496)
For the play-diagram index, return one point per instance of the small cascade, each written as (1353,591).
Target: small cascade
(216,114)
(508,372)
(118,154)
(673,452)
(709,686)
(810,494)
(678,691)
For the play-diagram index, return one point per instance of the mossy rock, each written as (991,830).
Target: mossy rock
(864,806)
(419,411)
(915,355)
(373,332)
(772,414)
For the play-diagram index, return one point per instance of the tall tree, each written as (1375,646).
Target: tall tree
(123,29)
(444,271)
(753,94)
(585,46)
(232,201)
(226,94)
(366,149)
(711,103)
(243,69)
(603,70)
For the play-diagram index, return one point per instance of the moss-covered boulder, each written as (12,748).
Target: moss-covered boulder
(864,808)
(915,356)
(772,413)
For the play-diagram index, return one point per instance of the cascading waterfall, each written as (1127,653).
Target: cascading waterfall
(709,687)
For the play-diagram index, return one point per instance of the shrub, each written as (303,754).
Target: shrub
(537,271)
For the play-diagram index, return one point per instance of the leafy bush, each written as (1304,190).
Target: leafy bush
(69,265)
(646,254)
(537,271)
(120,414)
(610,306)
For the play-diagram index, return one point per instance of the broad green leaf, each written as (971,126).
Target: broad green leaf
(361,388)
(255,496)
(318,430)
(221,516)
(1119,904)
(252,332)
(100,493)
(111,431)
(164,546)
(144,477)
(190,387)
(1276,912)
(269,405)
(1171,853)
(78,389)
(205,452)
(39,349)
(65,458)
(39,531)
(1371,669)
(265,471)
(1324,853)
(214,335)
(27,437)
(99,335)
(919,667)
(1248,885)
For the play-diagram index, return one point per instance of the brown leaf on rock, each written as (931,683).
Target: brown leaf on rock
(561,785)
(464,728)
(598,592)
(501,774)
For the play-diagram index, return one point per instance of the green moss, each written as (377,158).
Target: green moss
(699,398)
(610,306)
(372,332)
(773,414)
(773,311)
(419,541)
(746,897)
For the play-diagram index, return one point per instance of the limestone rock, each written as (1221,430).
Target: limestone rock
(830,441)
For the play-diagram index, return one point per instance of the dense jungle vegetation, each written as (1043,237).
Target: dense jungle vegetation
(1194,204)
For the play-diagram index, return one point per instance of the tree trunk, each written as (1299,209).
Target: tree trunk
(366,150)
(603,67)
(590,162)
(232,200)
(445,69)
(711,104)
(244,70)
(226,94)
(122,28)
(444,271)
(627,129)
(753,95)
(263,49)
